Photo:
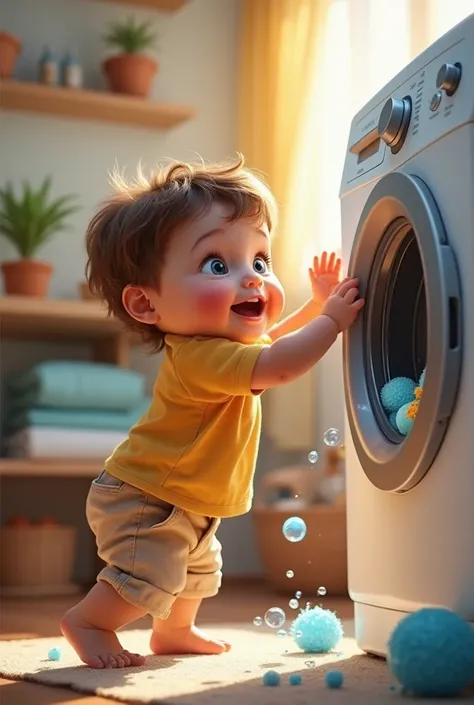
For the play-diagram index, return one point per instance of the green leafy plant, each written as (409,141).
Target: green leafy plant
(131,36)
(31,219)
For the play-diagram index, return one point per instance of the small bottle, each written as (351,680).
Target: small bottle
(72,71)
(48,68)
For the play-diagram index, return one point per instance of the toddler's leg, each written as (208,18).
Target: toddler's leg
(179,635)
(90,628)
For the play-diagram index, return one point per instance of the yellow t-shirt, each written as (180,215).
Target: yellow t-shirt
(197,445)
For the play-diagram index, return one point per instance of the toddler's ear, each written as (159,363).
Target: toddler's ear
(139,302)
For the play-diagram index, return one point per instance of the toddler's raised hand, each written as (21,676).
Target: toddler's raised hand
(343,304)
(324,275)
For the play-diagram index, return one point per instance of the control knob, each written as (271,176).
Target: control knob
(448,78)
(393,122)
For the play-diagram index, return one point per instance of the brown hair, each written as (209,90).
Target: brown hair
(127,238)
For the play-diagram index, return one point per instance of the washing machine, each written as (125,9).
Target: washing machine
(407,203)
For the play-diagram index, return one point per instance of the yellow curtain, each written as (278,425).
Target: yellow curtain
(280,44)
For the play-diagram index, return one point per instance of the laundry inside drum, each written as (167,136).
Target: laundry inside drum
(397,332)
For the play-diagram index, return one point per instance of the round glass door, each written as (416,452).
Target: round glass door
(411,322)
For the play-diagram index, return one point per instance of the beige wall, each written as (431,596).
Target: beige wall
(198,66)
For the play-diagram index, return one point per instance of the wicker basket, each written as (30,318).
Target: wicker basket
(37,560)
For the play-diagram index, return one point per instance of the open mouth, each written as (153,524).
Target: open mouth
(252,308)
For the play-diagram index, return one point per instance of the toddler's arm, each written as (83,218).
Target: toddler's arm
(295,320)
(292,355)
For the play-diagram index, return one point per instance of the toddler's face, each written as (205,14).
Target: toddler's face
(217,280)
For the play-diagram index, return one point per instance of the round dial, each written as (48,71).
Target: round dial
(393,122)
(448,78)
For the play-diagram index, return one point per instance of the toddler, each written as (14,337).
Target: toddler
(184,259)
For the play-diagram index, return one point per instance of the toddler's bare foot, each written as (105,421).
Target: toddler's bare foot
(185,640)
(97,648)
(90,628)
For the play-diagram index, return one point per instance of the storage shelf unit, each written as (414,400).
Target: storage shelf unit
(55,467)
(25,318)
(89,105)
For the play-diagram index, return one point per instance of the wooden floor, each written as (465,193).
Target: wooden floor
(239,601)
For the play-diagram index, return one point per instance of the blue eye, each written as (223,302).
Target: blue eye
(260,266)
(214,265)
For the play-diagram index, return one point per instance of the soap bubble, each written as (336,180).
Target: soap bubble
(332,437)
(322,591)
(281,632)
(294,529)
(258,621)
(298,594)
(313,456)
(290,574)
(275,617)
(294,604)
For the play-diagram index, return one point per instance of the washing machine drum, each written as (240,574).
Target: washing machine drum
(411,320)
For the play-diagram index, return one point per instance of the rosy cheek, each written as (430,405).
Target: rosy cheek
(212,299)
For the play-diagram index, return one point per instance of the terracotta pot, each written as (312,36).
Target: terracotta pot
(27,277)
(131,74)
(10,47)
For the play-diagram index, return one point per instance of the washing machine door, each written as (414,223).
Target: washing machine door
(411,319)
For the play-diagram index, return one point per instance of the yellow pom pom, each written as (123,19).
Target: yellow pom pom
(413,410)
(418,392)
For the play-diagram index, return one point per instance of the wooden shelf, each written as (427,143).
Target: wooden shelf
(22,317)
(91,105)
(55,467)
(167,5)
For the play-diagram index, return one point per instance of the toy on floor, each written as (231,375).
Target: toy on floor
(316,630)
(431,653)
(271,678)
(334,679)
(54,654)
(295,679)
(400,397)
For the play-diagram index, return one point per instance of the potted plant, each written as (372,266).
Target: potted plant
(10,47)
(28,222)
(131,71)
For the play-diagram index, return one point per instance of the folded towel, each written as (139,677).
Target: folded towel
(16,420)
(62,443)
(81,385)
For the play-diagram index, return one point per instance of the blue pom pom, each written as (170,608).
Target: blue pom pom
(295,679)
(404,424)
(422,378)
(271,678)
(397,392)
(392,419)
(316,630)
(54,654)
(431,652)
(334,679)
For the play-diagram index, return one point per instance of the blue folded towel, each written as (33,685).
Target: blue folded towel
(76,418)
(79,385)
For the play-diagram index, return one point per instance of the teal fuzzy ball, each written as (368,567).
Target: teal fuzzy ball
(54,654)
(397,392)
(392,419)
(334,679)
(316,630)
(404,424)
(431,653)
(422,378)
(295,679)
(271,678)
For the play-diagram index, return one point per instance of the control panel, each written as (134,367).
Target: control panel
(429,98)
